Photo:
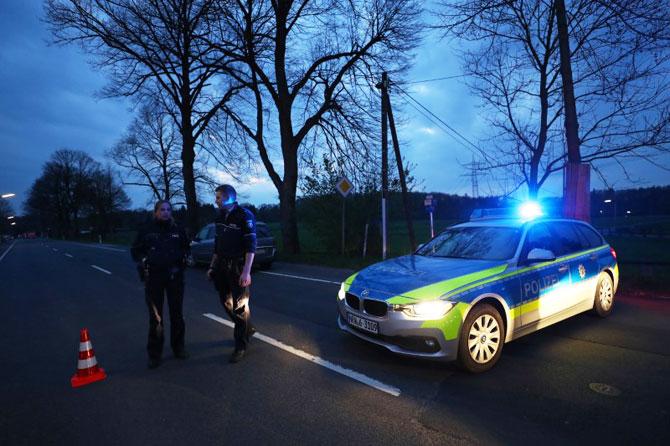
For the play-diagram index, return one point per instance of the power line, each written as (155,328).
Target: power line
(434,79)
(437,124)
(402,91)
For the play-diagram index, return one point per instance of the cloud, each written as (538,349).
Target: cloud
(428,130)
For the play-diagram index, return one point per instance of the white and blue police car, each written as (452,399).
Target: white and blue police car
(478,285)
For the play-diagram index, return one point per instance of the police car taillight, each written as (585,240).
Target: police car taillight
(613,252)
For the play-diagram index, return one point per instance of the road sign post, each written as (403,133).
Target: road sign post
(429,202)
(344,187)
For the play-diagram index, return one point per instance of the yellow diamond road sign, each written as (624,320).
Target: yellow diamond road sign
(344,186)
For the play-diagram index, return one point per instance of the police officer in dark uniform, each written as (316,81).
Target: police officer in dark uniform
(230,268)
(160,250)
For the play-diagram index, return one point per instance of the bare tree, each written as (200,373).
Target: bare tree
(154,45)
(106,197)
(309,68)
(620,62)
(149,154)
(66,191)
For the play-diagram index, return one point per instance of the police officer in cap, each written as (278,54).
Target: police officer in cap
(230,268)
(160,250)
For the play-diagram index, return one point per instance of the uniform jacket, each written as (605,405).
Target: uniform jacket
(235,233)
(163,244)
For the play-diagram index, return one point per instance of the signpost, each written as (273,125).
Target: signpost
(344,187)
(430,203)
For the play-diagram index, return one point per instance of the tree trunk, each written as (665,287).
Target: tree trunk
(576,184)
(187,157)
(287,205)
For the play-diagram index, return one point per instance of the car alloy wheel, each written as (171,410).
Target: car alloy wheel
(484,339)
(604,298)
(606,294)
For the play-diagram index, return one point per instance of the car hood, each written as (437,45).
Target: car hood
(410,278)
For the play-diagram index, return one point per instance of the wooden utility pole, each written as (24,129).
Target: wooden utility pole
(385,179)
(576,181)
(401,174)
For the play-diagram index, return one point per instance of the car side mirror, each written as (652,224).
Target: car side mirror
(540,255)
(421,245)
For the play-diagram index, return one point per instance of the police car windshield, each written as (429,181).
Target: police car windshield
(476,243)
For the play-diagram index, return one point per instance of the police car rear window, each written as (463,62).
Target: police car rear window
(476,243)
(593,238)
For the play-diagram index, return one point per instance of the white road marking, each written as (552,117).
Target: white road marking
(90,245)
(101,269)
(55,250)
(315,359)
(68,255)
(300,277)
(7,251)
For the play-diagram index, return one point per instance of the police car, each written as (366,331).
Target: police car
(478,285)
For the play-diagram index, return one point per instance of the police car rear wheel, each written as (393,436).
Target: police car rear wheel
(604,299)
(481,340)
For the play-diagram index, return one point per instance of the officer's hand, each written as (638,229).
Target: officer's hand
(245,279)
(210,274)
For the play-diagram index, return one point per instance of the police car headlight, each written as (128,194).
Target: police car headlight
(434,309)
(341,294)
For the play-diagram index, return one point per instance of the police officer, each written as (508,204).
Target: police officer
(161,249)
(230,268)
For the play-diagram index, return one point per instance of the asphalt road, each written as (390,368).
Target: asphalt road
(340,391)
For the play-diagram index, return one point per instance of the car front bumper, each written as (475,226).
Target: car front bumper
(400,334)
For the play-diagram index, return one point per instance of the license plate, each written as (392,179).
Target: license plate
(362,323)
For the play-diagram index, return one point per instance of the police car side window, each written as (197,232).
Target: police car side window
(262,231)
(202,235)
(594,239)
(211,233)
(540,237)
(567,239)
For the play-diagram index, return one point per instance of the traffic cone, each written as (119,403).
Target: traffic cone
(88,370)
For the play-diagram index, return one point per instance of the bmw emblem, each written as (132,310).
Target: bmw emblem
(365,293)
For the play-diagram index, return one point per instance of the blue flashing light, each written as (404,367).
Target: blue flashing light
(530,210)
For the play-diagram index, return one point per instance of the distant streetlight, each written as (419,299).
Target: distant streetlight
(11,217)
(10,195)
(607,201)
(13,223)
(627,212)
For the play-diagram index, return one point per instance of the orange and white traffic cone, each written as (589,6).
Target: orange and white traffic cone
(88,370)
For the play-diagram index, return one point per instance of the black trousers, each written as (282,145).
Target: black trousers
(234,298)
(159,284)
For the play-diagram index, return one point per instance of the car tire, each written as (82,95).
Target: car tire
(482,338)
(603,301)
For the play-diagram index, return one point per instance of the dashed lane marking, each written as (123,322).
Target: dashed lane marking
(315,359)
(7,250)
(106,248)
(68,255)
(299,277)
(101,269)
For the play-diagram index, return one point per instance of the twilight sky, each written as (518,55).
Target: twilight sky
(48,102)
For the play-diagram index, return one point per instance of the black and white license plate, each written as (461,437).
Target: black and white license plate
(362,323)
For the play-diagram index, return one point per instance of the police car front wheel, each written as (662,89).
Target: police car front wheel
(482,339)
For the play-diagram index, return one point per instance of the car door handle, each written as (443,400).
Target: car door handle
(562,268)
